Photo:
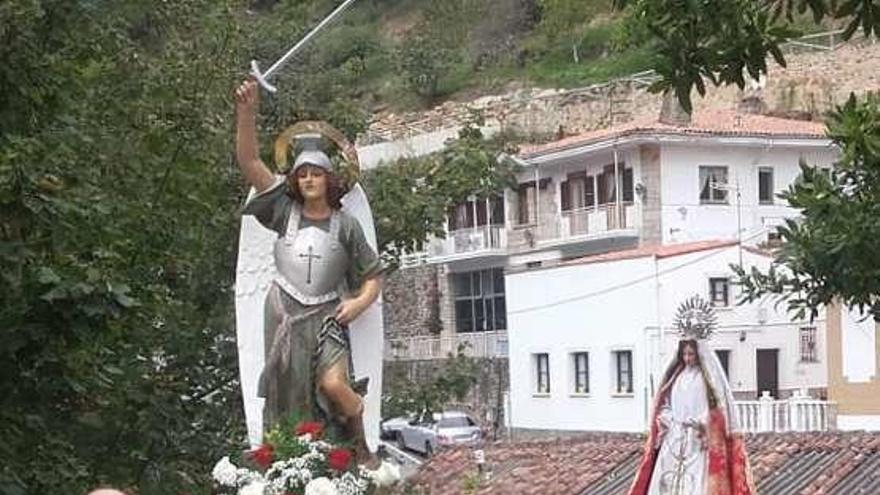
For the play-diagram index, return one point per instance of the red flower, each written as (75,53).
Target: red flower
(339,459)
(312,428)
(263,455)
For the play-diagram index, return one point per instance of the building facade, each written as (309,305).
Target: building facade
(591,338)
(642,187)
(854,368)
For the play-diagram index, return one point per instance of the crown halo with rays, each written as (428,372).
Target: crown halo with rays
(695,318)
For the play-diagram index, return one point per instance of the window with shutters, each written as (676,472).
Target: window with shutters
(476,213)
(607,186)
(526,203)
(713,180)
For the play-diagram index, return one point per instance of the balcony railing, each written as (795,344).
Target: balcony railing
(576,225)
(477,344)
(471,240)
(573,225)
(586,221)
(798,413)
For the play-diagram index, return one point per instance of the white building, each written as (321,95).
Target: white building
(854,368)
(564,265)
(586,347)
(689,195)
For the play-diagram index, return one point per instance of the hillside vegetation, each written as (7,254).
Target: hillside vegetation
(407,54)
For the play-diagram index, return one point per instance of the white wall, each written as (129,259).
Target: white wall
(859,347)
(602,307)
(599,324)
(689,274)
(685,219)
(419,144)
(848,422)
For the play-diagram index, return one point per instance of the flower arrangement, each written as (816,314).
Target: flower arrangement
(294,461)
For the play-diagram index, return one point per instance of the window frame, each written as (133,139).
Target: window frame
(725,363)
(541,387)
(577,373)
(487,298)
(809,354)
(606,194)
(524,205)
(770,199)
(477,213)
(620,372)
(724,198)
(712,301)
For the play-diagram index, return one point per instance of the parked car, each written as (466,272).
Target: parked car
(426,435)
(389,429)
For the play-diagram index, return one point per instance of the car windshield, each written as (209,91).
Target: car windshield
(457,422)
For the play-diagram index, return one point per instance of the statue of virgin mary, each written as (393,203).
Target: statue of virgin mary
(694,445)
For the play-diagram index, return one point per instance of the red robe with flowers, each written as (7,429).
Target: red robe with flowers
(728,463)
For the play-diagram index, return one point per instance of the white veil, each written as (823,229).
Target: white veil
(717,379)
(714,373)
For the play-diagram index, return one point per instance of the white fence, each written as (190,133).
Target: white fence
(798,413)
(477,344)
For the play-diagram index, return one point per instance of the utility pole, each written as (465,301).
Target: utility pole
(738,191)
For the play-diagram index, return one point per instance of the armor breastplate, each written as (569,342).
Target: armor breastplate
(310,261)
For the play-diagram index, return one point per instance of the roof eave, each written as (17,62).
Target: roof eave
(654,137)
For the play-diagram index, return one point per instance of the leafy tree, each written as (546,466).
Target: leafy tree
(453,380)
(410,198)
(719,41)
(829,254)
(119,213)
(425,62)
(116,245)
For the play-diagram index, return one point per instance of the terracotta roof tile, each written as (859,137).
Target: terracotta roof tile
(707,123)
(595,463)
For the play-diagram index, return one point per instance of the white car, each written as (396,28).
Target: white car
(426,435)
(389,429)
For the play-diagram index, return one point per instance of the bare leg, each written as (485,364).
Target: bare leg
(349,406)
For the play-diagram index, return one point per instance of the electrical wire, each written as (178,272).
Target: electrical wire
(630,283)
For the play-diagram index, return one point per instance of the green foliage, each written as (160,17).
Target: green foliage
(119,214)
(470,482)
(565,28)
(425,62)
(116,241)
(410,198)
(829,254)
(453,381)
(720,41)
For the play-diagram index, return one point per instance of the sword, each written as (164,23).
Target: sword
(262,77)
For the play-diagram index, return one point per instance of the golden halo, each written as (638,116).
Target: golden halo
(283,141)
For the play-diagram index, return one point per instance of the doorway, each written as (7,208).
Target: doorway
(768,371)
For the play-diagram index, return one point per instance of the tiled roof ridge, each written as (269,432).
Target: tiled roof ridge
(582,464)
(705,122)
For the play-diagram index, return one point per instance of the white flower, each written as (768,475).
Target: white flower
(254,488)
(349,484)
(385,475)
(305,438)
(321,486)
(224,472)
